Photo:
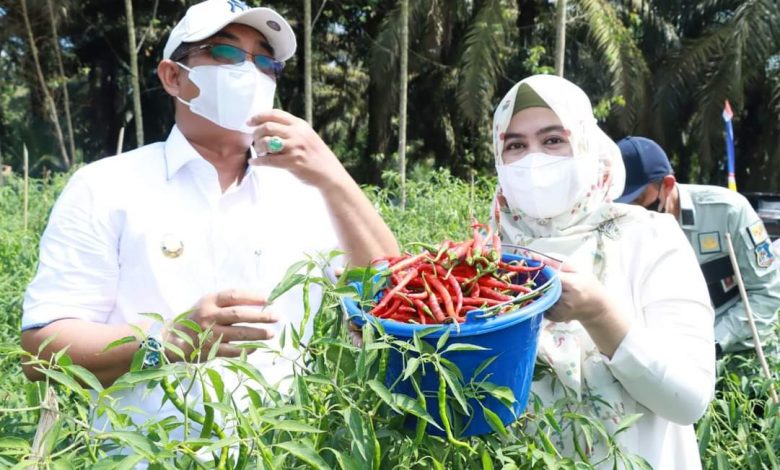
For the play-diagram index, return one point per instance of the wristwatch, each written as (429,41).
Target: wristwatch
(153,348)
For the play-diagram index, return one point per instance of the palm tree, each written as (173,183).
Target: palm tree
(731,53)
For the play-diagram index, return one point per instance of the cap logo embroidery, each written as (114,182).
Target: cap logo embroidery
(274,25)
(237,4)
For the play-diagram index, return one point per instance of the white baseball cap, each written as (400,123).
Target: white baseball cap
(204,19)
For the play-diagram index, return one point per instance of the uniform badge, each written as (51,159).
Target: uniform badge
(764,255)
(709,242)
(758,233)
(171,246)
(727,283)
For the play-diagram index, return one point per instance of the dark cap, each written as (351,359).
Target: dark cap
(645,161)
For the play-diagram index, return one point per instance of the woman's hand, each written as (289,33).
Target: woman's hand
(585,299)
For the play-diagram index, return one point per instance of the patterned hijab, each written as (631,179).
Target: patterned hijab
(573,108)
(586,237)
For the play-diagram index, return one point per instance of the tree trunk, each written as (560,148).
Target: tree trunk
(50,105)
(307,65)
(560,36)
(139,122)
(404,84)
(63,80)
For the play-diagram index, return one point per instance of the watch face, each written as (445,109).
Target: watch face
(153,355)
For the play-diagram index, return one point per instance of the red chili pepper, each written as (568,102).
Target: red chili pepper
(478,240)
(491,294)
(480,301)
(433,303)
(496,284)
(409,261)
(443,293)
(422,311)
(389,295)
(496,246)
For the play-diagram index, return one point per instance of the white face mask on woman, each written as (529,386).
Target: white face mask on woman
(544,186)
(230,94)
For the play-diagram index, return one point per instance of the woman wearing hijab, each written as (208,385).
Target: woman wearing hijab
(633,330)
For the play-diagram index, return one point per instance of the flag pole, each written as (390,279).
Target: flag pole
(727,117)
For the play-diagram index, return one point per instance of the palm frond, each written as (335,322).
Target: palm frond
(618,50)
(486,43)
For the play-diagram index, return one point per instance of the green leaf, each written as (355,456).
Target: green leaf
(485,364)
(411,367)
(217,383)
(129,462)
(443,339)
(346,462)
(289,280)
(186,322)
(142,376)
(85,376)
(494,421)
(304,450)
(356,428)
(487,462)
(14,443)
(410,406)
(384,393)
(455,388)
(136,441)
(119,342)
(292,426)
(46,342)
(503,394)
(464,347)
(626,422)
(222,443)
(66,381)
(156,317)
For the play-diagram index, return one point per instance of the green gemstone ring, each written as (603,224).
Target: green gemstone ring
(275,145)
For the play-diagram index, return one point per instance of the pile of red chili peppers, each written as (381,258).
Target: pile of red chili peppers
(440,285)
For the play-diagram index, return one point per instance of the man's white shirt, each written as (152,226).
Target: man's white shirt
(151,231)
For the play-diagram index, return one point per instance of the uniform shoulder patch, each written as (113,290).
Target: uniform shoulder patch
(709,242)
(758,233)
(764,255)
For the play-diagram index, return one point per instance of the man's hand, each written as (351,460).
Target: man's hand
(304,153)
(220,312)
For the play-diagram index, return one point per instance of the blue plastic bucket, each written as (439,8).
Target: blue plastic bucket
(510,337)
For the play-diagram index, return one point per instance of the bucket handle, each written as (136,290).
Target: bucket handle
(483,314)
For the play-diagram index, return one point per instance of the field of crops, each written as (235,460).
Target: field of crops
(338,412)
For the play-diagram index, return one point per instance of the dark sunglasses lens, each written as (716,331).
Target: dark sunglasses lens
(268,65)
(227,54)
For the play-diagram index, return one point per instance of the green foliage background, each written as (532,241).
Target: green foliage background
(339,415)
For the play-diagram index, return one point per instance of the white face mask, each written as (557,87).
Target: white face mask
(544,186)
(230,94)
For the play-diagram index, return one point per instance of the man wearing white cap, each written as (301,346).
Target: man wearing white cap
(207,221)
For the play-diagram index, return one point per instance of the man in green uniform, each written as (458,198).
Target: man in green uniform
(706,214)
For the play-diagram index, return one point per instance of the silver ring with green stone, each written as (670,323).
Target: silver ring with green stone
(275,145)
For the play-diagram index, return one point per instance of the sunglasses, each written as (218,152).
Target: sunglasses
(232,55)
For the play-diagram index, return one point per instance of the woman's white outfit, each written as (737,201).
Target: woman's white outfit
(664,368)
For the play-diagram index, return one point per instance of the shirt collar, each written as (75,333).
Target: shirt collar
(687,209)
(179,152)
